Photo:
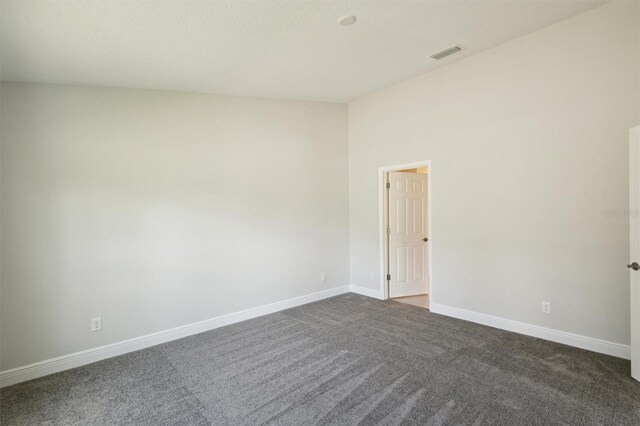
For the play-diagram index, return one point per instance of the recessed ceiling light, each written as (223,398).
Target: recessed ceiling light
(346,20)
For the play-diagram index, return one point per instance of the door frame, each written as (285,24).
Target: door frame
(382,220)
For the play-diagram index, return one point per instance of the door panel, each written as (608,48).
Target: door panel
(407,224)
(401,264)
(634,247)
(418,264)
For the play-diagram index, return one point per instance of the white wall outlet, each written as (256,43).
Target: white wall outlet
(546,307)
(96,324)
(323,277)
(371,276)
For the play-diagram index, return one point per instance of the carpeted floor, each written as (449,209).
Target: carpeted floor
(345,360)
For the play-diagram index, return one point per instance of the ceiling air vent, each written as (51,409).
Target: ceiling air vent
(446,52)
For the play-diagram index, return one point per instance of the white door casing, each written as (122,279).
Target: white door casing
(634,247)
(407,229)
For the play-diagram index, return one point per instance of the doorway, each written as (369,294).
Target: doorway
(405,229)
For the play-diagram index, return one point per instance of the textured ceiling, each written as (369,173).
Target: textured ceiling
(278,48)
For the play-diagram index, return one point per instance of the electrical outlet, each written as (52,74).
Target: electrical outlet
(546,307)
(96,324)
(371,276)
(323,277)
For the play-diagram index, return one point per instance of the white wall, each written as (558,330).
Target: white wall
(528,143)
(157,209)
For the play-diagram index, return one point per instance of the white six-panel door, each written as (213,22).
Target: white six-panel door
(407,230)
(634,246)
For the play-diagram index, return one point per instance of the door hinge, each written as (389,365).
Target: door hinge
(388,277)
(388,185)
(388,231)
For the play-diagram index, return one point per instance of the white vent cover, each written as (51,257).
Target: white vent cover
(446,52)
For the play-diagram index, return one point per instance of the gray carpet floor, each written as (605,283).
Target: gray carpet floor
(346,360)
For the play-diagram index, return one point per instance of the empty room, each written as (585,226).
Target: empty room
(320,212)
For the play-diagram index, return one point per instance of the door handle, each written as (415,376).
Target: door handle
(634,266)
(425,239)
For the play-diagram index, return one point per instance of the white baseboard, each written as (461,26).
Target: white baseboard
(369,292)
(77,359)
(596,345)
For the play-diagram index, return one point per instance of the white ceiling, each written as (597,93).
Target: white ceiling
(275,48)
